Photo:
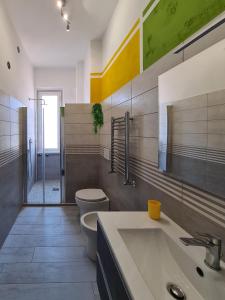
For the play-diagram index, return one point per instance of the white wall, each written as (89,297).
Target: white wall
(80,82)
(96,56)
(57,79)
(125,15)
(18,81)
(87,71)
(202,74)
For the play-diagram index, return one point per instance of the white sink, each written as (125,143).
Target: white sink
(161,260)
(150,255)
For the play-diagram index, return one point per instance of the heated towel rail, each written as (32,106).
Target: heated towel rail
(120,144)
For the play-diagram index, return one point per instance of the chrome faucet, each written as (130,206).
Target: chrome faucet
(213,247)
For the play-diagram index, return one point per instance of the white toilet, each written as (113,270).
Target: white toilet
(90,200)
(89,228)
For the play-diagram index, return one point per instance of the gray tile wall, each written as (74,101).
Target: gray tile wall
(82,172)
(199,122)
(81,150)
(12,130)
(196,140)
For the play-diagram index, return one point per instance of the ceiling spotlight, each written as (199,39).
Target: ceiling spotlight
(65,17)
(59,4)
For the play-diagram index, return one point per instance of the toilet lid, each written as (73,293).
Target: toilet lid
(91,195)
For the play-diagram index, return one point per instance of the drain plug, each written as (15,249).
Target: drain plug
(175,291)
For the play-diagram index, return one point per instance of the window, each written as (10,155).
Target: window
(50,116)
(51,134)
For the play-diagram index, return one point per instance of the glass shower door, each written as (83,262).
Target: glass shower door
(46,189)
(50,143)
(40,192)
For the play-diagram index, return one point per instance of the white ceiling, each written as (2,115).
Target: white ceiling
(43,32)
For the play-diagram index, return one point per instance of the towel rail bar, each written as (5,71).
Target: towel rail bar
(120,148)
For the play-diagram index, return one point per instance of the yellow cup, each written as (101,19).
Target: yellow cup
(154,208)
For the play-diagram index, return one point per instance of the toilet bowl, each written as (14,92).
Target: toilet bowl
(89,200)
(89,228)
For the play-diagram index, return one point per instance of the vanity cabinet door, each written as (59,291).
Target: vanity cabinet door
(114,282)
(102,282)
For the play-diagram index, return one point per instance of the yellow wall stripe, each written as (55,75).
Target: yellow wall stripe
(96,74)
(121,68)
(120,47)
(96,90)
(124,68)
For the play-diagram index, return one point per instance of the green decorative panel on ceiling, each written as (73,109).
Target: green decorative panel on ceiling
(172,22)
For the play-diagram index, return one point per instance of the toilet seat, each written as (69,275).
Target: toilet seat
(90,195)
(91,200)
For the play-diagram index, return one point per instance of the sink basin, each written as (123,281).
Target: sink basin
(161,260)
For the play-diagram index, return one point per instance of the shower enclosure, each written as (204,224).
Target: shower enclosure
(47,162)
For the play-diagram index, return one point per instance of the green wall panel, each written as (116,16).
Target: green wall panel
(172,22)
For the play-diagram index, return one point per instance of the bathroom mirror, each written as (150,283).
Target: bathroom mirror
(192,121)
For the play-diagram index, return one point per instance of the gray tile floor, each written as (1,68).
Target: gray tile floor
(52,196)
(44,257)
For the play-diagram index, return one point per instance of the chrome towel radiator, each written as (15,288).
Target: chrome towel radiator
(120,144)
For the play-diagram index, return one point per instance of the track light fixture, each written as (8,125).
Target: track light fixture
(65,16)
(61,4)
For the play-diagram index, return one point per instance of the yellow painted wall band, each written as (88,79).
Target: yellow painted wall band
(123,69)
(120,47)
(96,74)
(96,90)
(123,66)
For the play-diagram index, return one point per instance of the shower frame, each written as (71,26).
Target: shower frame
(43,152)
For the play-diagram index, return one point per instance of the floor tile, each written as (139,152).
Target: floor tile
(71,220)
(50,211)
(59,254)
(47,220)
(1,267)
(11,255)
(44,257)
(95,288)
(39,220)
(62,291)
(44,240)
(45,229)
(48,272)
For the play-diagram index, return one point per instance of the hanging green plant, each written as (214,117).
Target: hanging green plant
(98,117)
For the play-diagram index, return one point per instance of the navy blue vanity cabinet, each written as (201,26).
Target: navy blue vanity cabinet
(109,279)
